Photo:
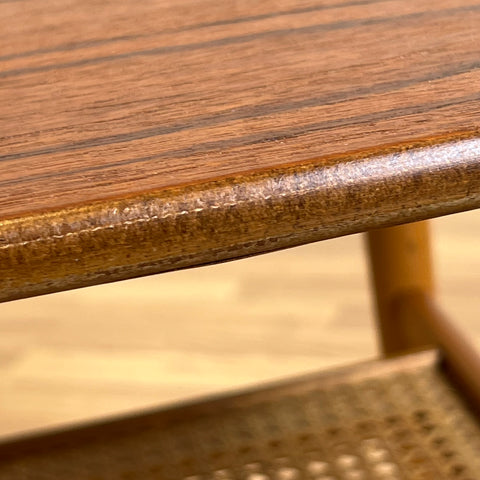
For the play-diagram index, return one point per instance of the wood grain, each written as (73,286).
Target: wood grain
(212,104)
(101,99)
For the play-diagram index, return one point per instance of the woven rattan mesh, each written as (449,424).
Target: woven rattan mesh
(399,419)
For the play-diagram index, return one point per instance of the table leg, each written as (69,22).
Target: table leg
(400,261)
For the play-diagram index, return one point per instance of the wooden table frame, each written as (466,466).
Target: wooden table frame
(144,137)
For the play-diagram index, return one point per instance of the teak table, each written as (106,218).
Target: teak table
(144,137)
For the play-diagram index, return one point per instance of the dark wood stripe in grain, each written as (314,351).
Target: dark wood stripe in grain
(256,111)
(197,26)
(69,47)
(271,136)
(238,216)
(240,39)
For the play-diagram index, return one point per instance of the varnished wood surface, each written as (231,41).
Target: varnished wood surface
(136,139)
(116,348)
(104,99)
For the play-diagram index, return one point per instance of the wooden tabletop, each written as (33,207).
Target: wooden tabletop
(139,137)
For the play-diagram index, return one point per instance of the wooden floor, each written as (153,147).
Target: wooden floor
(115,348)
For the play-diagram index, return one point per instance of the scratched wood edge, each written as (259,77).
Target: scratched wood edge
(238,216)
